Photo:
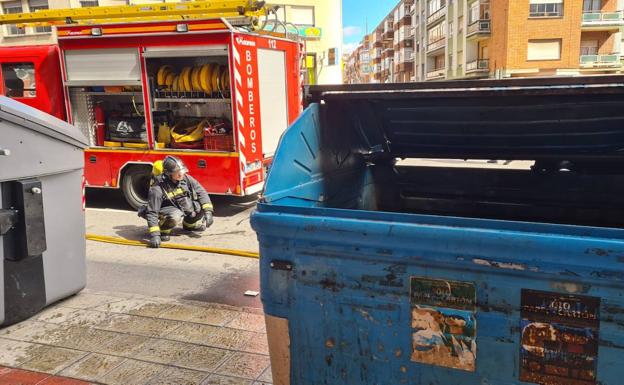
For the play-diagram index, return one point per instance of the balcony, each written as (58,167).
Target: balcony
(478,66)
(436,74)
(404,67)
(436,45)
(437,15)
(598,21)
(387,53)
(478,30)
(601,61)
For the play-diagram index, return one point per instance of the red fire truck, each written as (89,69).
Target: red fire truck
(202,90)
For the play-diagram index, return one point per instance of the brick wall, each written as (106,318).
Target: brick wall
(499,10)
(606,40)
(522,29)
(609,5)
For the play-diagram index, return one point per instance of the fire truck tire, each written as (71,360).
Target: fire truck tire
(135,185)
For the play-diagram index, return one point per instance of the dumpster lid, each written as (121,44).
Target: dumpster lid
(524,119)
(41,122)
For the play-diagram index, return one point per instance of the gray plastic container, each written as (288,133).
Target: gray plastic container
(42,219)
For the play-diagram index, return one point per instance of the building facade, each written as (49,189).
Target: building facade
(462,39)
(318,23)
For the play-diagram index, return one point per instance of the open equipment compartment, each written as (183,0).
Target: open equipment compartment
(191,97)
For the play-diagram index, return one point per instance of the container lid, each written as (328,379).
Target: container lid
(41,122)
(525,119)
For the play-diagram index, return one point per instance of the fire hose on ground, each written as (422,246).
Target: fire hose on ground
(214,250)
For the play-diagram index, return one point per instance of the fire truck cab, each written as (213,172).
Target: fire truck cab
(215,96)
(31,75)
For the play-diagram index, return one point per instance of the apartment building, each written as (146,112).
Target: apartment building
(317,22)
(458,39)
(358,68)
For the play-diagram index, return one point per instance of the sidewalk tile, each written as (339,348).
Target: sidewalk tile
(258,343)
(245,365)
(226,338)
(151,327)
(62,381)
(92,367)
(199,314)
(51,360)
(14,353)
(164,352)
(204,358)
(248,321)
(22,377)
(87,339)
(32,331)
(178,376)
(224,380)
(88,300)
(56,314)
(131,372)
(211,335)
(267,376)
(88,318)
(151,309)
(134,306)
(124,345)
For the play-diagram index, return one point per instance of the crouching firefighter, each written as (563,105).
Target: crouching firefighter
(175,197)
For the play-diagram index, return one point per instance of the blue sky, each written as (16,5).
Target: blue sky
(354,16)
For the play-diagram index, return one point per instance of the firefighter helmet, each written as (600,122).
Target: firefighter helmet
(172,164)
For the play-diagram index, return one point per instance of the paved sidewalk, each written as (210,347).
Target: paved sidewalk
(122,339)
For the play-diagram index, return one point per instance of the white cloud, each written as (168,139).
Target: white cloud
(347,48)
(351,30)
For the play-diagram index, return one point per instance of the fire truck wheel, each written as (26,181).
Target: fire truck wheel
(135,185)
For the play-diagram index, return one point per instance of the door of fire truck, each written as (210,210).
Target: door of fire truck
(31,75)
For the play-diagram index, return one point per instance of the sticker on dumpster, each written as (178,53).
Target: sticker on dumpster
(559,340)
(443,323)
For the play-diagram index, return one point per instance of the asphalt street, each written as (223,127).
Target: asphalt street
(172,273)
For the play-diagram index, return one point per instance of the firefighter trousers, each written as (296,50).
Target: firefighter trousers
(171,217)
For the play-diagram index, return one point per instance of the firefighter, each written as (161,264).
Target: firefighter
(176,197)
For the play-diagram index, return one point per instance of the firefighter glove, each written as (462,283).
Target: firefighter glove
(209,220)
(154,241)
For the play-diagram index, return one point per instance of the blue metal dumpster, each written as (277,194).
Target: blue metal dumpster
(375,271)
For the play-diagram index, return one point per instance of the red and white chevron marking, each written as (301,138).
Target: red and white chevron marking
(240,118)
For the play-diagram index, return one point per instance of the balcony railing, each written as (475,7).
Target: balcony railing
(437,15)
(602,18)
(436,74)
(600,61)
(436,44)
(478,27)
(480,65)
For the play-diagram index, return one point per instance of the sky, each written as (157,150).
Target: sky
(355,13)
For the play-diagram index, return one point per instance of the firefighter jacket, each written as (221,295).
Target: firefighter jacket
(186,195)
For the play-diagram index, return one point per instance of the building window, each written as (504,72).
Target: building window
(19,80)
(436,5)
(301,15)
(439,62)
(436,33)
(10,7)
(589,47)
(546,8)
(592,5)
(331,56)
(89,3)
(36,5)
(546,49)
